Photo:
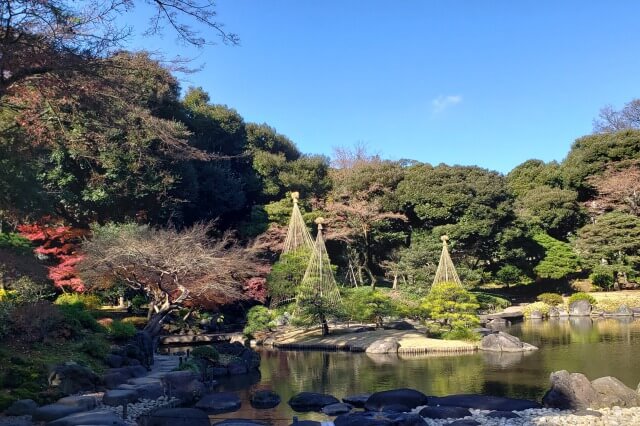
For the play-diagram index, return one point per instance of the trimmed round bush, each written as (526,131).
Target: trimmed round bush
(581,296)
(551,299)
(541,307)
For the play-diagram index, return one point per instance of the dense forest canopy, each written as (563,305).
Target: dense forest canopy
(81,149)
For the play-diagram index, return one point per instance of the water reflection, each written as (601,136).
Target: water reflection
(598,347)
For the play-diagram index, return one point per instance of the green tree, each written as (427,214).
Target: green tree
(367,305)
(612,239)
(284,280)
(559,261)
(451,305)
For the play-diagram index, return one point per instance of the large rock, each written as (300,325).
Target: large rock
(264,399)
(372,418)
(498,414)
(445,412)
(176,417)
(580,308)
(612,392)
(117,397)
(570,391)
(554,312)
(93,418)
(384,346)
(623,311)
(397,399)
(311,401)
(23,407)
(400,325)
(337,409)
(71,378)
(152,390)
(183,385)
(220,402)
(240,422)
(48,413)
(483,402)
(358,400)
(536,315)
(113,360)
(85,402)
(504,342)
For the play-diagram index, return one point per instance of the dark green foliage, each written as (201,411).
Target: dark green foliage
(602,276)
(94,346)
(367,305)
(461,333)
(559,261)
(120,330)
(77,318)
(591,154)
(259,319)
(490,302)
(613,238)
(287,273)
(533,174)
(510,274)
(81,301)
(552,299)
(207,353)
(15,242)
(581,296)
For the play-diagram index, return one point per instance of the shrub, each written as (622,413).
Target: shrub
(510,274)
(491,303)
(541,307)
(138,301)
(6,309)
(119,330)
(15,242)
(78,319)
(602,277)
(461,334)
(552,299)
(189,365)
(138,322)
(28,291)
(364,304)
(34,322)
(87,301)
(94,346)
(452,305)
(259,318)
(581,296)
(207,353)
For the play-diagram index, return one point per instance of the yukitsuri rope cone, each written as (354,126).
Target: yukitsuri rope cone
(446,272)
(319,287)
(297,235)
(298,238)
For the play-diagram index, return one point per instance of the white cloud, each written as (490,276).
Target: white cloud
(441,103)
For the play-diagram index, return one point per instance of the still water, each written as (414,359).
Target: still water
(599,347)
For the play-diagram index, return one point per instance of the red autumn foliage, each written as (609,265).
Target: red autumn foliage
(60,244)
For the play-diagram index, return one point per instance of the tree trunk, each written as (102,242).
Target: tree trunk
(395,282)
(325,325)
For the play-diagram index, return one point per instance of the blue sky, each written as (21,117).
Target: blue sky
(491,83)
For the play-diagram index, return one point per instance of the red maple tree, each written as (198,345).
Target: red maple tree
(60,244)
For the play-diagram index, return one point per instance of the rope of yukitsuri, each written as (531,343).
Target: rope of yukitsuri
(297,234)
(446,271)
(318,285)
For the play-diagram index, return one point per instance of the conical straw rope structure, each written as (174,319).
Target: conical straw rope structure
(446,272)
(297,234)
(319,285)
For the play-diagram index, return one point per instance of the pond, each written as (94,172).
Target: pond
(599,347)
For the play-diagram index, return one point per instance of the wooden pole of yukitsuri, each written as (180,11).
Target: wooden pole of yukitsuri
(446,271)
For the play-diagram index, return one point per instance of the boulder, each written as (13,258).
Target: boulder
(536,315)
(504,342)
(237,367)
(23,407)
(251,358)
(554,312)
(445,412)
(85,402)
(483,402)
(580,308)
(563,313)
(48,413)
(264,399)
(502,415)
(483,331)
(336,409)
(118,397)
(623,311)
(399,399)
(384,346)
(219,402)
(152,390)
(371,418)
(635,312)
(113,380)
(569,391)
(93,418)
(219,371)
(240,422)
(183,385)
(297,422)
(584,413)
(113,360)
(358,400)
(465,422)
(176,417)
(71,378)
(311,401)
(612,392)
